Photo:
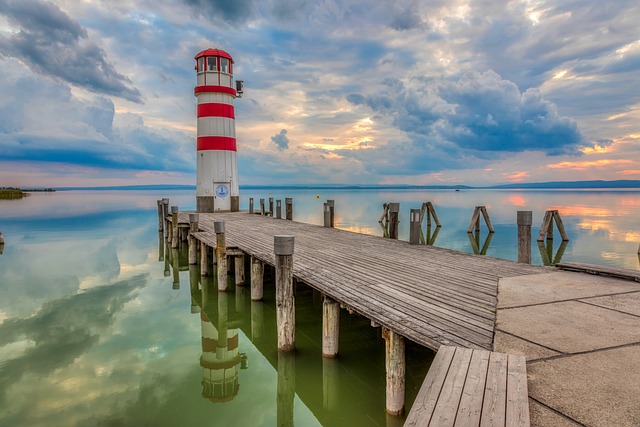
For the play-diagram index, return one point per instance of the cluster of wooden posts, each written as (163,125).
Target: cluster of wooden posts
(277,213)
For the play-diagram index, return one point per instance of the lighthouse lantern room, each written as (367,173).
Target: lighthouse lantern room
(217,164)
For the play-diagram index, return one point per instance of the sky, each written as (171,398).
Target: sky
(336,91)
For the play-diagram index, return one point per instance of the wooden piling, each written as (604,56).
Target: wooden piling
(235,203)
(285,299)
(475,220)
(160,218)
(262,207)
(288,202)
(174,227)
(250,205)
(279,209)
(271,207)
(524,220)
(204,259)
(394,210)
(257,275)
(239,269)
(546,229)
(332,213)
(221,255)
(330,327)
(414,226)
(194,219)
(326,215)
(395,368)
(430,211)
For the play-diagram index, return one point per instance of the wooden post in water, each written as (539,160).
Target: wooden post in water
(285,299)
(288,202)
(326,215)
(330,327)
(221,255)
(175,241)
(524,219)
(475,220)
(394,210)
(250,205)
(279,209)
(262,207)
(271,207)
(257,275)
(547,226)
(238,263)
(395,367)
(414,226)
(160,218)
(332,213)
(165,213)
(194,219)
(204,259)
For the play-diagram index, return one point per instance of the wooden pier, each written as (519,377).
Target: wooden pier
(432,296)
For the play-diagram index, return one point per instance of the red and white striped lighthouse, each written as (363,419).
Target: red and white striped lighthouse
(217,163)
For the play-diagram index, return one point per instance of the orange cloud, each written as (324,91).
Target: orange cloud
(517,176)
(630,172)
(589,164)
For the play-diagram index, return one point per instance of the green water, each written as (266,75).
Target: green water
(101,324)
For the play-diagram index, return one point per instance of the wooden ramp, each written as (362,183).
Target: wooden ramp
(467,387)
(432,296)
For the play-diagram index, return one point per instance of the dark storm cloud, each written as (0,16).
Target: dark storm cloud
(230,11)
(281,140)
(49,42)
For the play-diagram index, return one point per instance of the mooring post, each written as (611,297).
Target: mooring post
(524,219)
(414,226)
(332,213)
(204,259)
(235,203)
(395,367)
(326,209)
(174,227)
(221,255)
(262,207)
(330,327)
(257,275)
(271,207)
(279,209)
(160,219)
(194,219)
(238,263)
(394,209)
(288,201)
(285,299)
(250,205)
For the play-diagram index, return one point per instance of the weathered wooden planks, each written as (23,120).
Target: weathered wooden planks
(620,273)
(432,296)
(467,387)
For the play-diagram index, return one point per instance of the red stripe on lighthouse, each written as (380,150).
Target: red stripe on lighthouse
(216,143)
(223,89)
(216,110)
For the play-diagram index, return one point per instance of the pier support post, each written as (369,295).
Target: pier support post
(250,205)
(174,228)
(394,209)
(221,255)
(285,299)
(262,207)
(239,269)
(165,213)
(395,367)
(524,219)
(327,215)
(271,207)
(194,219)
(288,201)
(279,209)
(332,213)
(204,259)
(160,218)
(414,226)
(330,327)
(257,275)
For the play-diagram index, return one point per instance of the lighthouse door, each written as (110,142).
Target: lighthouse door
(222,196)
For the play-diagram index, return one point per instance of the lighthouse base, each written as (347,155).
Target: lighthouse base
(204,204)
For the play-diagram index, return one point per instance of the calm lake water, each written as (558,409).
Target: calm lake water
(101,324)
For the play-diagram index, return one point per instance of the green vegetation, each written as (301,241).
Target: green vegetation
(11,193)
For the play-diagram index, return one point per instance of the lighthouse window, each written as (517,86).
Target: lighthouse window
(212,64)
(224,65)
(200,65)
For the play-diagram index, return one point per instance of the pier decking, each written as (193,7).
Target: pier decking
(432,296)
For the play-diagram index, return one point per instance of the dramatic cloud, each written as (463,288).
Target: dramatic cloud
(51,43)
(281,140)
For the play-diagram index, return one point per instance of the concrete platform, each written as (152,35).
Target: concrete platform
(580,334)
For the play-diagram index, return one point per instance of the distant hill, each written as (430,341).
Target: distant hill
(630,183)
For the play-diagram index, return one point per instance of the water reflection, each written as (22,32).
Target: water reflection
(429,238)
(546,251)
(474,240)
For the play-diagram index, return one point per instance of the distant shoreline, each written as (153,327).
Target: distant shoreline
(556,185)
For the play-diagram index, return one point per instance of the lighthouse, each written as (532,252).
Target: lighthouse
(217,163)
